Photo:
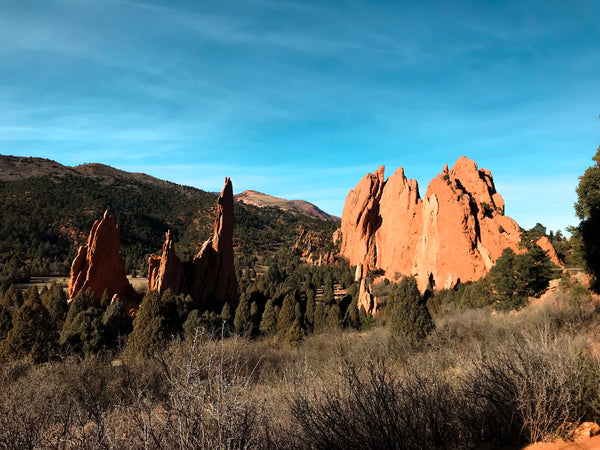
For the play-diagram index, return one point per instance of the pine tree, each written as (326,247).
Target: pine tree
(286,315)
(117,324)
(55,300)
(587,209)
(268,324)
(309,315)
(334,318)
(226,313)
(33,335)
(255,316)
(295,334)
(320,318)
(5,321)
(366,320)
(149,334)
(241,322)
(407,315)
(352,320)
(32,295)
(12,297)
(105,299)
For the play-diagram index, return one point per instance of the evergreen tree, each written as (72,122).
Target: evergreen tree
(149,334)
(309,316)
(477,294)
(366,320)
(5,321)
(407,315)
(516,277)
(241,322)
(12,297)
(32,295)
(193,324)
(587,209)
(32,336)
(268,324)
(298,312)
(286,315)
(320,317)
(226,313)
(255,316)
(351,320)
(117,324)
(334,318)
(55,300)
(85,333)
(105,299)
(295,334)
(174,312)
(208,323)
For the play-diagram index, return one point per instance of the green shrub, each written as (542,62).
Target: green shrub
(407,315)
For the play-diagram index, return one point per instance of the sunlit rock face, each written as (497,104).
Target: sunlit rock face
(455,233)
(100,266)
(210,276)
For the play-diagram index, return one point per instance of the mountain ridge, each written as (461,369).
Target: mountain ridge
(261,200)
(14,168)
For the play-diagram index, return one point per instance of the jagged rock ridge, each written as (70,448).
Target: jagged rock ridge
(210,276)
(99,265)
(455,233)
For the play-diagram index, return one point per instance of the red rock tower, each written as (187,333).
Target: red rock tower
(211,274)
(455,233)
(100,265)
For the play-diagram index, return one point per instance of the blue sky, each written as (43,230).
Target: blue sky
(300,99)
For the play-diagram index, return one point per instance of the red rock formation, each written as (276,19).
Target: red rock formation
(361,219)
(100,266)
(211,275)
(545,244)
(455,233)
(166,271)
(309,243)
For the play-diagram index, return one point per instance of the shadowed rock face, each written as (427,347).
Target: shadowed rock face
(455,233)
(211,275)
(100,266)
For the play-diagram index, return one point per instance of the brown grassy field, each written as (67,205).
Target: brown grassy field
(502,380)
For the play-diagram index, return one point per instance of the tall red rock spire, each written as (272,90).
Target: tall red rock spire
(211,274)
(100,266)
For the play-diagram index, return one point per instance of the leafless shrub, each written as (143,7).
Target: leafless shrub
(375,409)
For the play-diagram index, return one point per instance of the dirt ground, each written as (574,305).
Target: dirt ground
(584,444)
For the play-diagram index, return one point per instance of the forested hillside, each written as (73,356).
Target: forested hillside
(47,216)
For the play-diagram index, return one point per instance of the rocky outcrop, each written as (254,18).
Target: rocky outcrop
(545,244)
(455,233)
(210,276)
(361,219)
(99,265)
(166,271)
(313,246)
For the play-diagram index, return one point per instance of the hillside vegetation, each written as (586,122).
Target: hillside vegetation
(48,213)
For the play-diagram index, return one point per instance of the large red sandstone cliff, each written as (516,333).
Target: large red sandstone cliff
(100,266)
(211,274)
(455,233)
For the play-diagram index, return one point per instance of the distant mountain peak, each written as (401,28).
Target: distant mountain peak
(260,199)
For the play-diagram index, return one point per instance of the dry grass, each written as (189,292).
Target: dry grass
(482,378)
